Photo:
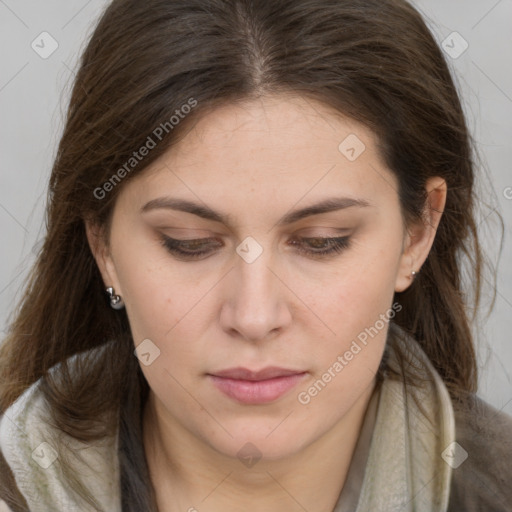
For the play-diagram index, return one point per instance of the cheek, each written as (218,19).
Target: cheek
(358,309)
(356,304)
(352,300)
(148,280)
(149,302)
(160,308)
(165,304)
(157,293)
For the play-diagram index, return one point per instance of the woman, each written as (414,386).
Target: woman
(249,296)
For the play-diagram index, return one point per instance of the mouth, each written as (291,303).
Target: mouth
(256,387)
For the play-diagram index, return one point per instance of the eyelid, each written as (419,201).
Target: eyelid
(335,246)
(312,232)
(197,233)
(304,233)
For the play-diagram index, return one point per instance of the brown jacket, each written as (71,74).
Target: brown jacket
(483,482)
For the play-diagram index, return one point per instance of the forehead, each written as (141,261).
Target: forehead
(270,151)
(279,124)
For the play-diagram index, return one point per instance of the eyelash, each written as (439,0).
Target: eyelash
(337,245)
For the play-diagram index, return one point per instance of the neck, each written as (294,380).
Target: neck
(189,475)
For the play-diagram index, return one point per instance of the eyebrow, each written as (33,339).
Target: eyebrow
(325,206)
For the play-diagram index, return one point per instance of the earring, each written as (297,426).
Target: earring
(414,274)
(116,302)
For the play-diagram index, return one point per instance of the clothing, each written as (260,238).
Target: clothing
(349,496)
(402,461)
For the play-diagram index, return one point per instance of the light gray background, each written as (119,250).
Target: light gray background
(34,94)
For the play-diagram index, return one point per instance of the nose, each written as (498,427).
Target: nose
(256,305)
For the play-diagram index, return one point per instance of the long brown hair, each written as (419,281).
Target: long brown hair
(373,60)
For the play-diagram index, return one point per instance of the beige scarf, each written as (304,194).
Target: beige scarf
(405,470)
(408,467)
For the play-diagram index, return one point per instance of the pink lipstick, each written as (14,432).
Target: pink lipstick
(256,387)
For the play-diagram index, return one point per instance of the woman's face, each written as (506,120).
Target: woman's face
(265,292)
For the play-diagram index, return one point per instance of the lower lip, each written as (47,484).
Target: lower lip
(256,392)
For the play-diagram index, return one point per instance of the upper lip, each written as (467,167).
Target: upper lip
(270,372)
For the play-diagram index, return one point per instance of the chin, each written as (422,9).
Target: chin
(259,440)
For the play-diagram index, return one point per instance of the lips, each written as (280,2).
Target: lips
(270,372)
(256,386)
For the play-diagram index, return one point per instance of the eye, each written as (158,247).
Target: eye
(196,248)
(320,246)
(188,249)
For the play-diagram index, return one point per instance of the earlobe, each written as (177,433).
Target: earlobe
(420,236)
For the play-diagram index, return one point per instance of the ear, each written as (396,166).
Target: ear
(98,243)
(420,236)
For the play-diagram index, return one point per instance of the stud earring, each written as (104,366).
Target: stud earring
(414,274)
(116,302)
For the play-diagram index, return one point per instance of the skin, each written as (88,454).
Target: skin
(257,161)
